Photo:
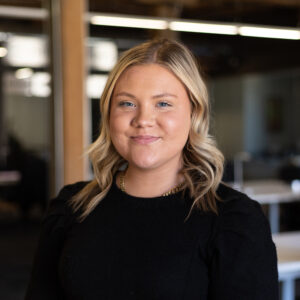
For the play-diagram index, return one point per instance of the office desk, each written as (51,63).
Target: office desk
(271,192)
(288,251)
(9,177)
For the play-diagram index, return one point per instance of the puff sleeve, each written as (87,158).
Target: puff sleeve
(44,283)
(244,262)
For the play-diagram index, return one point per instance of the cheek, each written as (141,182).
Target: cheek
(114,129)
(117,127)
(117,141)
(178,125)
(116,124)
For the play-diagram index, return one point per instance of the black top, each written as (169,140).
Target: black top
(141,248)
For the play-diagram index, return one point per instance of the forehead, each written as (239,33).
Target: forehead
(148,76)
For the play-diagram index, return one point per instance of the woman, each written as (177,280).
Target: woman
(155,223)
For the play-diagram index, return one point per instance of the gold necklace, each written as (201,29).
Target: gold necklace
(173,190)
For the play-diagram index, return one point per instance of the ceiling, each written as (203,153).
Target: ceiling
(219,55)
(271,12)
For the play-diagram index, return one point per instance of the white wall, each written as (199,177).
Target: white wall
(227,114)
(28,118)
(240,108)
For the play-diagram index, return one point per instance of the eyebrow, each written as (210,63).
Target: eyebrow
(125,94)
(162,95)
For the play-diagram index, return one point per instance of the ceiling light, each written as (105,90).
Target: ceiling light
(23,73)
(104,55)
(3,51)
(269,32)
(23,12)
(203,27)
(27,51)
(40,84)
(133,22)
(95,85)
(194,26)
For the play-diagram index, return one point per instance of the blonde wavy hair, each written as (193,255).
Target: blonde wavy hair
(202,161)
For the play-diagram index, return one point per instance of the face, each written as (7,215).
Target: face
(150,117)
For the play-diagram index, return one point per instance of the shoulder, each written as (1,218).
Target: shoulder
(71,189)
(60,204)
(241,216)
(242,251)
(243,257)
(59,214)
(236,203)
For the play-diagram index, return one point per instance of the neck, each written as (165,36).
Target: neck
(151,183)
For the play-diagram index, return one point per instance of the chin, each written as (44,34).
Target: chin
(144,165)
(142,159)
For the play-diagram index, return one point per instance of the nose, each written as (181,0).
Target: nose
(144,117)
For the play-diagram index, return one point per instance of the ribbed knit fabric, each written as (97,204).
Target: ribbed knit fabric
(141,248)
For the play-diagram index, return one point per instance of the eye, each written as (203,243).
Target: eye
(163,104)
(126,104)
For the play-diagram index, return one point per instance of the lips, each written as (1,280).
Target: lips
(144,139)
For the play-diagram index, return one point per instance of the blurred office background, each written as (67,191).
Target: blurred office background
(54,59)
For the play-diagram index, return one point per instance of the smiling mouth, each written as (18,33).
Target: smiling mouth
(144,139)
